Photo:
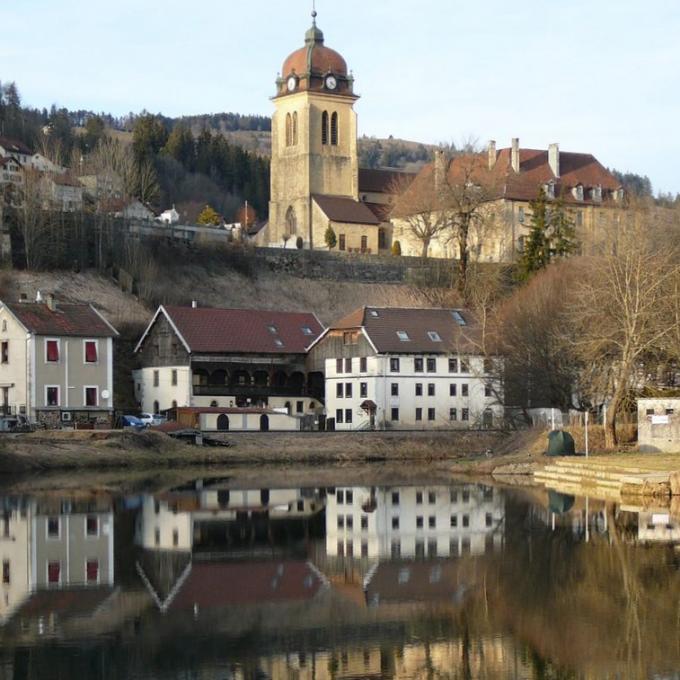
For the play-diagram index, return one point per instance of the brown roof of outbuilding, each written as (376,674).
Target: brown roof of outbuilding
(342,209)
(65,179)
(219,331)
(382,325)
(66,319)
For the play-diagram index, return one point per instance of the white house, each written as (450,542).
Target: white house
(14,149)
(407,369)
(56,362)
(170,216)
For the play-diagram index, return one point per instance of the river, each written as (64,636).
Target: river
(218,577)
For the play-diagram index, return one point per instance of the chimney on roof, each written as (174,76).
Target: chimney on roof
(439,170)
(51,302)
(514,154)
(491,151)
(194,304)
(554,159)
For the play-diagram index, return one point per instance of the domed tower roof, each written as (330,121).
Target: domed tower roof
(315,67)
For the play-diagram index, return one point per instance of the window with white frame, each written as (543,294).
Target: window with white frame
(52,350)
(52,396)
(53,528)
(91,351)
(91,395)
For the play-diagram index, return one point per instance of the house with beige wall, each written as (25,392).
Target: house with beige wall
(508,181)
(56,362)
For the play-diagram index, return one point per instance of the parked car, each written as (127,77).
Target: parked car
(132,422)
(152,419)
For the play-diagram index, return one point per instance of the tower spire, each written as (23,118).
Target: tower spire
(314,12)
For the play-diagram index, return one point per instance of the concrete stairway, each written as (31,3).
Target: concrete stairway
(581,475)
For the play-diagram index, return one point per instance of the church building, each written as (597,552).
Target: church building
(315,177)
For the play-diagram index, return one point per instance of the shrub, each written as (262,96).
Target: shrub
(299,243)
(396,248)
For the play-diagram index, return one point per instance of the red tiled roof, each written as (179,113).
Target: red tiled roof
(14,146)
(382,324)
(76,601)
(342,209)
(211,584)
(503,182)
(217,331)
(379,181)
(67,319)
(380,210)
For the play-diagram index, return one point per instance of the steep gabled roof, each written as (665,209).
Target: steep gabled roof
(14,146)
(67,319)
(220,331)
(345,209)
(424,331)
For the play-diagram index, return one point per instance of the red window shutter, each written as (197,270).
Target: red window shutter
(52,350)
(91,352)
(92,570)
(53,571)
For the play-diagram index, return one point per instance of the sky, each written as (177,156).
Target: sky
(595,76)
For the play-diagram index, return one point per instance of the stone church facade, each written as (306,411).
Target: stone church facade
(315,179)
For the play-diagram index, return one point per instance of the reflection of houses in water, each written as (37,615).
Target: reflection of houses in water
(223,519)
(434,521)
(15,556)
(485,657)
(180,530)
(57,559)
(658,527)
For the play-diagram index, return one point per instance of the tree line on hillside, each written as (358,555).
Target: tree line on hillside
(167,163)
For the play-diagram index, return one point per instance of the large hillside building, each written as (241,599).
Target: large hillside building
(508,180)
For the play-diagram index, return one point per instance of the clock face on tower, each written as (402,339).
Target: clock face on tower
(331,82)
(292,83)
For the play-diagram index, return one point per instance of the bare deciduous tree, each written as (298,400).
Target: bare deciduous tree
(31,217)
(620,314)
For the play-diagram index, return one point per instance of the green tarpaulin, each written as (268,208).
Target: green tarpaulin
(560,443)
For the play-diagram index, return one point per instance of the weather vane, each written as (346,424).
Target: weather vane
(313,9)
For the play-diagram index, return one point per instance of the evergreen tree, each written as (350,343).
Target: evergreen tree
(209,217)
(536,253)
(330,238)
(562,236)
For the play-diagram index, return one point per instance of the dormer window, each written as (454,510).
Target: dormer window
(403,336)
(596,194)
(458,317)
(272,329)
(577,192)
(278,343)
(618,195)
(434,336)
(306,330)
(373,313)
(549,189)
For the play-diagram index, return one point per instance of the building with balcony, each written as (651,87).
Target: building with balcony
(228,358)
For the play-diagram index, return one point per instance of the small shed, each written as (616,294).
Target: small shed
(216,419)
(659,425)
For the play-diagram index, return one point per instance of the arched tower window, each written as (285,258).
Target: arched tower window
(334,129)
(324,128)
(289,131)
(295,128)
(291,221)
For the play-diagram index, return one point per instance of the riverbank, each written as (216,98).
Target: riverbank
(62,450)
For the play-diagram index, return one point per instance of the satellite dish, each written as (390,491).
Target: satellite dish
(105,394)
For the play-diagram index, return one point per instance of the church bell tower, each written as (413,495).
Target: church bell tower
(314,140)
